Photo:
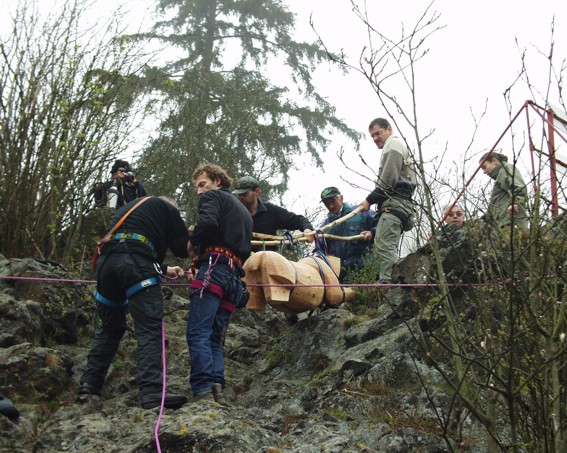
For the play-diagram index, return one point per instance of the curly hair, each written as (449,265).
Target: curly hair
(213,172)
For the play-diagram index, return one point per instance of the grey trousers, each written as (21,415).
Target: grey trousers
(387,244)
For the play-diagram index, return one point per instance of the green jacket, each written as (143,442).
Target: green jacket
(508,189)
(450,237)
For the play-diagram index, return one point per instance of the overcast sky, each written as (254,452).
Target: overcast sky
(470,64)
(472,60)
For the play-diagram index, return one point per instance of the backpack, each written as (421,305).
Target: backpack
(99,191)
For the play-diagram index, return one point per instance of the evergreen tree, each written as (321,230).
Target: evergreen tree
(218,104)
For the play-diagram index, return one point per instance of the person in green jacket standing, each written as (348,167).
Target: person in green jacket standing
(509,195)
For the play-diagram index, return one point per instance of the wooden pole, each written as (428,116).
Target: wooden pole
(304,236)
(358,237)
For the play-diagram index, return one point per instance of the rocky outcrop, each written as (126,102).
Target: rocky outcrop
(334,382)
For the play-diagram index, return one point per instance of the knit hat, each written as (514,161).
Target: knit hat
(120,164)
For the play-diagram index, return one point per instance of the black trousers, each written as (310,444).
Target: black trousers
(146,308)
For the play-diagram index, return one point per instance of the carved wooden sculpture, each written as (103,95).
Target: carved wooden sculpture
(270,269)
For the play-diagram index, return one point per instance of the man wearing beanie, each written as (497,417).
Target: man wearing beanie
(125,187)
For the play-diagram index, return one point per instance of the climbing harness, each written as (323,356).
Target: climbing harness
(407,222)
(108,235)
(207,276)
(146,283)
(215,249)
(135,236)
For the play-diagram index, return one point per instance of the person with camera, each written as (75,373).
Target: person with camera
(125,187)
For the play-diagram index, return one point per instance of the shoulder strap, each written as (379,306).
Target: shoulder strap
(107,237)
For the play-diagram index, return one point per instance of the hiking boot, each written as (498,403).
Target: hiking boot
(171,401)
(88,389)
(8,409)
(219,397)
(205,396)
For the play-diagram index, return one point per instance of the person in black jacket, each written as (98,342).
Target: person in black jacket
(267,217)
(219,244)
(128,271)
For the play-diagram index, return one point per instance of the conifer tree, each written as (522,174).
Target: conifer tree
(219,101)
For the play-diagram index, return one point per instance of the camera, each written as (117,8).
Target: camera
(129,176)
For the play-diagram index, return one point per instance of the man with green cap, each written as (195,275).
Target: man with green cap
(267,217)
(351,253)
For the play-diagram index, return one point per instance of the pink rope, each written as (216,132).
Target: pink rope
(46,279)
(163,361)
(366,285)
(313,285)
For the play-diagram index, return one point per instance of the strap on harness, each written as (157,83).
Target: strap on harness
(152,281)
(135,236)
(141,285)
(400,214)
(202,285)
(218,250)
(109,302)
(107,237)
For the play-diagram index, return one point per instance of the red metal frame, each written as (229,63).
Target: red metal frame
(548,117)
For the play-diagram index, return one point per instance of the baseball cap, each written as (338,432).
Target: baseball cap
(245,184)
(330,192)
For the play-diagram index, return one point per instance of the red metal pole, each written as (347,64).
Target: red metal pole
(532,148)
(553,163)
(459,195)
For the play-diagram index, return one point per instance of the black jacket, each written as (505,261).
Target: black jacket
(269,218)
(156,220)
(128,192)
(223,221)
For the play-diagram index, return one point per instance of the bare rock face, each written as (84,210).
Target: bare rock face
(20,321)
(42,374)
(58,312)
(333,382)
